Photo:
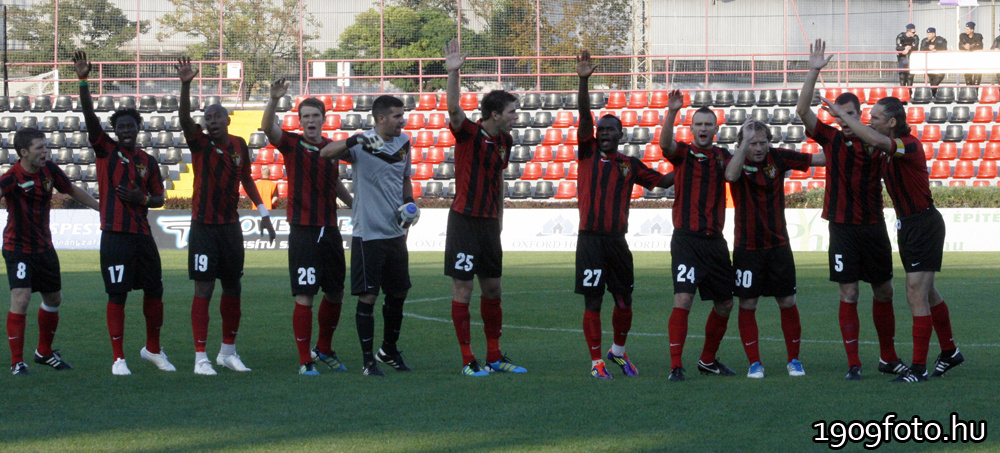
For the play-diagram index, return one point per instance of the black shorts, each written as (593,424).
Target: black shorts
(129,261)
(601,261)
(921,241)
(702,264)
(472,247)
(316,259)
(215,252)
(38,271)
(764,272)
(860,252)
(379,263)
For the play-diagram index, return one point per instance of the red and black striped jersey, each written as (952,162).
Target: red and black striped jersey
(759,198)
(312,181)
(605,187)
(700,189)
(117,166)
(479,163)
(217,174)
(29,197)
(853,178)
(906,177)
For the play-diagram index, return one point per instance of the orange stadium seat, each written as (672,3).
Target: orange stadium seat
(532,171)
(928,151)
(664,167)
(424,139)
(265,155)
(832,93)
(984,114)
(947,151)
(443,102)
(290,123)
(810,148)
(931,133)
(650,118)
(424,171)
(977,133)
(340,135)
(992,151)
(683,134)
(901,93)
(566,190)
(688,118)
(298,100)
(255,171)
(616,100)
(543,153)
(415,121)
(418,190)
(553,137)
(987,169)
(277,171)
(573,171)
(956,184)
(658,100)
(875,95)
(554,170)
(637,100)
(427,102)
(980,183)
(915,115)
(332,122)
(866,115)
(243,191)
(564,153)
(940,169)
(637,192)
(654,138)
(819,173)
(964,169)
(720,116)
(344,103)
(469,102)
(434,155)
(436,121)
(652,153)
(446,138)
(792,187)
(572,136)
(564,118)
(417,155)
(816,185)
(629,118)
(327,101)
(798,174)
(859,92)
(989,95)
(824,116)
(281,187)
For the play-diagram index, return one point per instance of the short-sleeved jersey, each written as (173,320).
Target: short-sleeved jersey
(378,188)
(28,197)
(266,190)
(312,181)
(118,166)
(853,186)
(759,198)
(906,177)
(217,174)
(479,163)
(605,187)
(700,189)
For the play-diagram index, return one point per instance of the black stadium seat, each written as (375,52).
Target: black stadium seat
(144,139)
(172,156)
(363,103)
(938,114)
(8,124)
(795,134)
(728,134)
(168,104)
(155,123)
(409,102)
(29,121)
(523,120)
(126,102)
(736,117)
(745,98)
(42,103)
(767,98)
(960,114)
(724,98)
(520,154)
(4,103)
(701,99)
(921,95)
(4,156)
(531,101)
(164,139)
(655,194)
(175,124)
(155,152)
(209,100)
(49,124)
(20,104)
(444,170)
(789,98)
(147,103)
(351,122)
(571,102)
(369,122)
(521,189)
(513,171)
(541,120)
(543,190)
(640,136)
(781,116)
(597,101)
(967,95)
(91,173)
(105,104)
(632,151)
(73,172)
(86,156)
(775,134)
(62,103)
(953,133)
(77,139)
(56,140)
(257,140)
(944,95)
(70,124)
(434,189)
(63,156)
(531,137)
(760,115)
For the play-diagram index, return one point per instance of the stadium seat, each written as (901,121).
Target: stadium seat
(521,189)
(543,190)
(964,169)
(520,153)
(74,172)
(434,155)
(370,122)
(745,98)
(417,189)
(629,118)
(635,151)
(423,139)
(701,99)
(144,139)
(931,133)
(126,102)
(172,156)
(960,114)
(776,134)
(434,189)
(254,171)
(415,121)
(164,139)
(173,126)
(554,170)
(572,171)
(650,118)
(62,156)
(572,136)
(350,122)
(992,151)
(77,140)
(971,151)
(737,117)
(654,137)
(437,120)
(20,103)
(363,103)
(651,154)
(977,133)
(657,100)
(86,156)
(989,95)
(724,98)
(987,170)
(564,118)
(56,140)
(683,134)
(876,94)
(281,188)
(720,116)
(866,115)
(833,93)
(984,114)
(331,122)
(62,103)
(781,116)
(792,187)
(727,135)
(532,171)
(290,123)
(416,155)
(767,98)
(49,124)
(921,95)
(423,171)
(819,173)
(409,102)
(597,101)
(940,169)
(427,101)
(512,171)
(265,155)
(901,93)
(637,100)
(798,174)
(928,151)
(824,116)
(469,102)
(552,101)
(639,136)
(147,103)
(566,191)
(4,103)
(860,93)
(637,192)
(664,167)
(279,158)
(168,104)
(954,133)
(542,120)
(815,185)
(947,151)
(70,124)
(344,103)
(616,100)
(563,153)
(967,95)
(944,95)
(915,115)
(8,124)
(553,137)
(90,173)
(543,153)
(28,121)
(528,101)
(571,102)
(41,103)
(760,115)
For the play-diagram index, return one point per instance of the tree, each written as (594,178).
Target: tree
(261,34)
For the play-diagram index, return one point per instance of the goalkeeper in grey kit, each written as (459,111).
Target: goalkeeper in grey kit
(383,209)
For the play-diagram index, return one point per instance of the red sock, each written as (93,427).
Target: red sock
(492,326)
(792,329)
(621,322)
(849,331)
(677,331)
(15,336)
(885,326)
(922,327)
(48,321)
(153,310)
(592,332)
(302,324)
(116,329)
(942,325)
(229,308)
(715,329)
(460,318)
(199,322)
(747,320)
(328,316)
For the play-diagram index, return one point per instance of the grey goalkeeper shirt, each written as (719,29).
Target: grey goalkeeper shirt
(378,187)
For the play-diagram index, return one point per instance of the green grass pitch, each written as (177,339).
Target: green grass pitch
(557,406)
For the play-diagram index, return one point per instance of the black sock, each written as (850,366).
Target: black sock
(366,330)
(392,317)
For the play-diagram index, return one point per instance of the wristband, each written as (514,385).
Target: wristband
(408,200)
(352,141)
(83,83)
(262,210)
(146,201)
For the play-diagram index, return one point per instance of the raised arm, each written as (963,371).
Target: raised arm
(267,124)
(186,74)
(82,67)
(817,61)
(584,68)
(453,60)
(861,130)
(735,166)
(674,104)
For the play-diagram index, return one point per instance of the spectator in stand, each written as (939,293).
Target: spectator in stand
(906,42)
(933,43)
(267,188)
(971,41)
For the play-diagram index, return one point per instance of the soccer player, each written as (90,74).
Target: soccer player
(129,183)
(761,253)
(215,251)
(472,244)
(379,258)
(32,263)
(698,250)
(315,249)
(920,229)
(602,254)
(859,242)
